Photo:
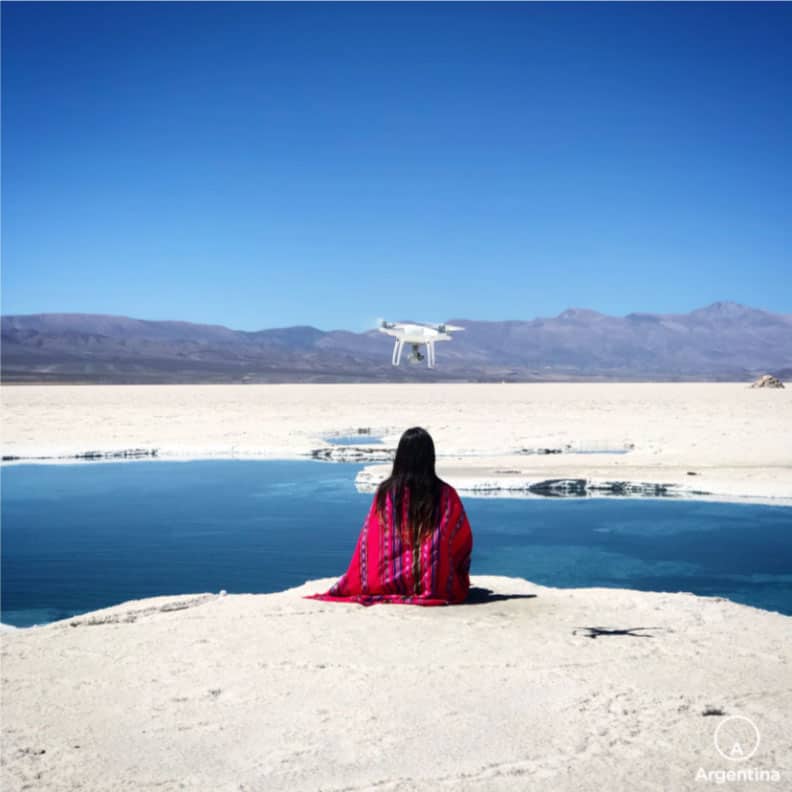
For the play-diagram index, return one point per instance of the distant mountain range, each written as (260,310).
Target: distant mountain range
(724,341)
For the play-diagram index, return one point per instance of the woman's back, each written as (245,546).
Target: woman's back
(416,541)
(391,564)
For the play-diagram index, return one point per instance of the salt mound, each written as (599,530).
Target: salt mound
(767,381)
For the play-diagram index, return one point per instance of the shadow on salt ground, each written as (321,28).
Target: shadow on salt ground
(478,596)
(633,632)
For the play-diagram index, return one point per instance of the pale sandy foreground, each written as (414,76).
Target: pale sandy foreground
(275,692)
(736,440)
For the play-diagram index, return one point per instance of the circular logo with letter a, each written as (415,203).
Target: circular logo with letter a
(736,738)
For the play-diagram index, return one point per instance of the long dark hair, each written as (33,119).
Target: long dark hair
(413,468)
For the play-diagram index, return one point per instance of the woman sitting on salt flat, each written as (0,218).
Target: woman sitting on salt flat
(416,542)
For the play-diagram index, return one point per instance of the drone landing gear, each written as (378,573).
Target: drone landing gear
(397,350)
(415,354)
(430,355)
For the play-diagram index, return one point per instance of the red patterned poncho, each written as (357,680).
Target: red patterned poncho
(381,569)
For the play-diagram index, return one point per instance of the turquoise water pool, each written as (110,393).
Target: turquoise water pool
(84,536)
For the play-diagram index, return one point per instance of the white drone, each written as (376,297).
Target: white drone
(417,334)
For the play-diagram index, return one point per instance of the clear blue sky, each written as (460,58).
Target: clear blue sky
(262,165)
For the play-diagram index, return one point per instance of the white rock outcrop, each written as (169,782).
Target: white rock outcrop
(767,381)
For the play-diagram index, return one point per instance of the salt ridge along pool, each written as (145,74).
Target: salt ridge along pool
(77,537)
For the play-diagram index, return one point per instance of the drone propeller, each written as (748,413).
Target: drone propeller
(442,327)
